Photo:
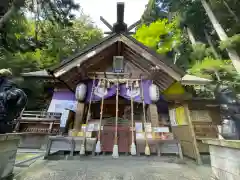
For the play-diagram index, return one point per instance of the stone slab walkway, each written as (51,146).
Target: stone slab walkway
(124,168)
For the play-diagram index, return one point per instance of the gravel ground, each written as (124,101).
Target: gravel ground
(124,168)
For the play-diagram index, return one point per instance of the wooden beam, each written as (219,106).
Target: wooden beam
(120,12)
(159,72)
(141,66)
(79,116)
(119,48)
(161,86)
(133,25)
(108,32)
(106,23)
(195,145)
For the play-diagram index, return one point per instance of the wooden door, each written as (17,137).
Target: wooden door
(123,140)
(107,140)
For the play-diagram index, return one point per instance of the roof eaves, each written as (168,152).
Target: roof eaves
(154,53)
(84,51)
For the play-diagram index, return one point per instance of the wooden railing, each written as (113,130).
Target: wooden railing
(39,122)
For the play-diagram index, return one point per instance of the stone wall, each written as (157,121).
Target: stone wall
(225,162)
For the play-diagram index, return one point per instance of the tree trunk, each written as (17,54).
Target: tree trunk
(190,35)
(16,4)
(230,11)
(216,55)
(8,15)
(222,35)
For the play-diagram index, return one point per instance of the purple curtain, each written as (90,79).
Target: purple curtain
(99,92)
(126,92)
(64,95)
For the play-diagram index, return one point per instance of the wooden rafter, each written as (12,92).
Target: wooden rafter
(138,58)
(144,53)
(146,70)
(146,64)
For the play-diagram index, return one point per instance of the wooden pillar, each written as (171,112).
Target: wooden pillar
(70,119)
(79,116)
(192,132)
(153,115)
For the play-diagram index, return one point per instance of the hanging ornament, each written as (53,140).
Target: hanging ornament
(99,83)
(127,84)
(102,83)
(154,92)
(80,92)
(108,84)
(137,84)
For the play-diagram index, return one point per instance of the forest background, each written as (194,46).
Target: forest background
(200,36)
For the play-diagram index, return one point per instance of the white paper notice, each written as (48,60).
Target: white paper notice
(58,106)
(148,127)
(138,127)
(64,117)
(90,127)
(139,135)
(160,129)
(172,116)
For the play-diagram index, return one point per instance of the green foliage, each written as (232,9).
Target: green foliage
(232,42)
(161,35)
(59,43)
(30,44)
(154,11)
(198,51)
(208,65)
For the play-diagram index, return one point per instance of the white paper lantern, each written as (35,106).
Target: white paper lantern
(154,93)
(81,91)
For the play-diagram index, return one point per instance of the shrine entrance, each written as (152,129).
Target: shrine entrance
(124,134)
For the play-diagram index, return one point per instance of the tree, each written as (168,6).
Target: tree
(161,35)
(154,11)
(216,69)
(222,35)
(42,40)
(57,12)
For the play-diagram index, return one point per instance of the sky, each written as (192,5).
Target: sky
(108,10)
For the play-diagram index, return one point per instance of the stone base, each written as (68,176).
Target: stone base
(33,140)
(225,162)
(225,159)
(8,150)
(68,143)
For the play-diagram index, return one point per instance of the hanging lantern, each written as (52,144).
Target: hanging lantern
(81,91)
(154,92)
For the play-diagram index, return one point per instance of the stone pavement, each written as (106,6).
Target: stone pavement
(124,168)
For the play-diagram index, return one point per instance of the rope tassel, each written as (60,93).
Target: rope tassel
(82,149)
(133,146)
(98,145)
(147,149)
(115,147)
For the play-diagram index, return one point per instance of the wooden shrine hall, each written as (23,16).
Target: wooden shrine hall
(119,59)
(127,78)
(115,97)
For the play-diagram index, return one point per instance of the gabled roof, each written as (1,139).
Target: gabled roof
(159,61)
(87,49)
